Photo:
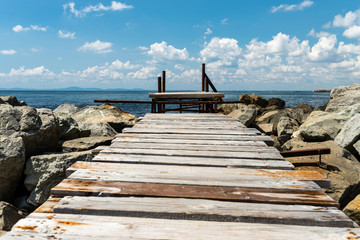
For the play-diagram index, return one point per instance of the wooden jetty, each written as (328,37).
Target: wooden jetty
(188,176)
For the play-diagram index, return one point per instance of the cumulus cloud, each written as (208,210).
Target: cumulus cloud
(117,64)
(224,49)
(163,51)
(352,32)
(350,19)
(312,33)
(38,71)
(19,28)
(8,52)
(96,47)
(348,48)
(292,7)
(144,73)
(115,6)
(323,49)
(66,34)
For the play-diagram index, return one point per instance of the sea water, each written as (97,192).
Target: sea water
(52,99)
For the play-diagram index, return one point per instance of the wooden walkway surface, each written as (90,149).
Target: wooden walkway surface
(188,176)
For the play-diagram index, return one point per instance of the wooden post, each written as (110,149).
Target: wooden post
(159,85)
(163,81)
(203,78)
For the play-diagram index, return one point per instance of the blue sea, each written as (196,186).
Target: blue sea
(52,99)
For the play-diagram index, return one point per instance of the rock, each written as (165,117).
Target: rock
(356,147)
(227,108)
(246,99)
(12,161)
(343,167)
(271,117)
(342,97)
(66,109)
(267,128)
(277,144)
(298,114)
(106,113)
(86,143)
(9,215)
(350,132)
(287,126)
(45,171)
(305,107)
(12,100)
(246,114)
(258,101)
(322,126)
(352,210)
(97,129)
(68,127)
(37,128)
(277,102)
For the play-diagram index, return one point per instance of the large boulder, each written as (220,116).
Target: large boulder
(342,97)
(227,108)
(12,160)
(11,100)
(285,128)
(97,129)
(342,167)
(271,117)
(322,126)
(38,128)
(45,171)
(85,143)
(9,215)
(350,132)
(117,118)
(68,127)
(259,101)
(66,109)
(276,102)
(246,114)
(353,209)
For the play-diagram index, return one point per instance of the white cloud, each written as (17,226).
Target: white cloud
(312,33)
(38,71)
(8,52)
(225,49)
(350,19)
(96,47)
(326,25)
(324,49)
(115,6)
(117,64)
(143,48)
(66,34)
(163,51)
(19,28)
(144,73)
(224,21)
(292,7)
(352,32)
(208,31)
(348,48)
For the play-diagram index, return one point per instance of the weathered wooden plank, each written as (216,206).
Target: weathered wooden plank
(48,206)
(202,175)
(16,235)
(206,210)
(149,228)
(198,147)
(188,141)
(190,126)
(245,131)
(192,153)
(186,116)
(267,139)
(194,161)
(192,122)
(74,187)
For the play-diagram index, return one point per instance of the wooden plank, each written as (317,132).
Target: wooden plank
(245,131)
(194,161)
(198,147)
(188,141)
(186,95)
(48,206)
(201,175)
(205,210)
(16,235)
(189,153)
(193,122)
(149,228)
(74,187)
(195,127)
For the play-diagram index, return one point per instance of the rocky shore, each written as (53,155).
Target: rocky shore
(37,145)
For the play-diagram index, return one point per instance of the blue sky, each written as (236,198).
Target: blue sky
(247,45)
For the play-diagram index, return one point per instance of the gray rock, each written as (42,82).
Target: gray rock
(287,126)
(97,129)
(246,114)
(322,126)
(11,100)
(272,117)
(37,128)
(227,108)
(12,161)
(352,209)
(86,143)
(350,132)
(277,102)
(117,118)
(342,97)
(356,147)
(9,215)
(66,109)
(45,171)
(68,127)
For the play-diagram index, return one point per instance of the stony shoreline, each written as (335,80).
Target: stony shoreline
(37,145)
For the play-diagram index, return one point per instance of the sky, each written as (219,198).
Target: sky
(246,44)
